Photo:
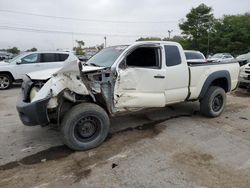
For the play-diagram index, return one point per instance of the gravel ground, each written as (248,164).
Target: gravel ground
(169,147)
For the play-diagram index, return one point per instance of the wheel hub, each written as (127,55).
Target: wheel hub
(4,82)
(217,103)
(86,128)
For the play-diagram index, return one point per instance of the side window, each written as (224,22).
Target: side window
(146,57)
(62,57)
(32,58)
(47,57)
(227,56)
(173,56)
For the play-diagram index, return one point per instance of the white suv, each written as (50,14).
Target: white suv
(15,69)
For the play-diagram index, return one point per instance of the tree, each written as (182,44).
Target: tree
(180,39)
(32,50)
(197,26)
(231,34)
(13,50)
(80,47)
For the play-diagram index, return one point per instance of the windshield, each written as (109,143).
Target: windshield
(217,56)
(193,55)
(106,57)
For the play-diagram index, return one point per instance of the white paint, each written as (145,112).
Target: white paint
(19,70)
(199,75)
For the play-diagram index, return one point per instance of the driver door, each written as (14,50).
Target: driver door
(141,83)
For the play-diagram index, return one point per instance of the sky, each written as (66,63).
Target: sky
(56,24)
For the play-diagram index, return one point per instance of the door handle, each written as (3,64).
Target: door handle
(159,76)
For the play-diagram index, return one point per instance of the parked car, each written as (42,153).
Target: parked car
(5,55)
(221,57)
(13,70)
(244,79)
(243,59)
(122,79)
(194,57)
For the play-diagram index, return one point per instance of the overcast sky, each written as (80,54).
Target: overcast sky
(121,20)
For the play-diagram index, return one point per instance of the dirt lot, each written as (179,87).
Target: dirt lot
(169,147)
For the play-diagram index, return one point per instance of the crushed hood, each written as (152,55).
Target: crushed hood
(69,67)
(43,74)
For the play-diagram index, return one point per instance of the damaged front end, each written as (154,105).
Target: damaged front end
(67,87)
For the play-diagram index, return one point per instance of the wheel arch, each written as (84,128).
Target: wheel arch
(8,73)
(218,78)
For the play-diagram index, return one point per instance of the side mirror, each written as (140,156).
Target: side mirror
(18,62)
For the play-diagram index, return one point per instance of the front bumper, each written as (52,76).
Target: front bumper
(245,78)
(32,113)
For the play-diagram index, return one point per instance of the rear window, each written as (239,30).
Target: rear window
(47,57)
(62,57)
(173,56)
(53,57)
(193,55)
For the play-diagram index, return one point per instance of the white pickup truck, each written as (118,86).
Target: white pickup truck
(122,79)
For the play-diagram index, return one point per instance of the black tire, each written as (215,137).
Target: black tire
(85,126)
(5,81)
(214,101)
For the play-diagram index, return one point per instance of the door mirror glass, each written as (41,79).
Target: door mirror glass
(18,62)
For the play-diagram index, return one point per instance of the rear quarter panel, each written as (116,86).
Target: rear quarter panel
(199,74)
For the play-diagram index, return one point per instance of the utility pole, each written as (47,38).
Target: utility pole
(169,33)
(208,38)
(105,42)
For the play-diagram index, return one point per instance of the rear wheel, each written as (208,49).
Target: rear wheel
(85,126)
(213,103)
(5,81)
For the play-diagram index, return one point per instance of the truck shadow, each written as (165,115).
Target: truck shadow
(145,122)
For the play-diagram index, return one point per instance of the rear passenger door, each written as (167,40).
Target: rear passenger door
(52,60)
(177,76)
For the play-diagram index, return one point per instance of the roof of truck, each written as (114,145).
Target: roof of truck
(161,42)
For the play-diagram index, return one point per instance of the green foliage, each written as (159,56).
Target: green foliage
(32,50)
(13,50)
(231,34)
(79,49)
(199,22)
(201,31)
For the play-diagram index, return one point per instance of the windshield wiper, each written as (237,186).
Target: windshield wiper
(95,65)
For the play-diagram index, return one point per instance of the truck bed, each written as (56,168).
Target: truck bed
(198,74)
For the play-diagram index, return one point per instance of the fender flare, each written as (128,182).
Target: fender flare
(214,76)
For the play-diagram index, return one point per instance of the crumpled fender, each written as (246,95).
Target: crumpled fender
(57,84)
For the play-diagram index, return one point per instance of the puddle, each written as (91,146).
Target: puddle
(55,153)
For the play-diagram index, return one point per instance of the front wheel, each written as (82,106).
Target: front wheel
(214,101)
(85,126)
(5,81)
